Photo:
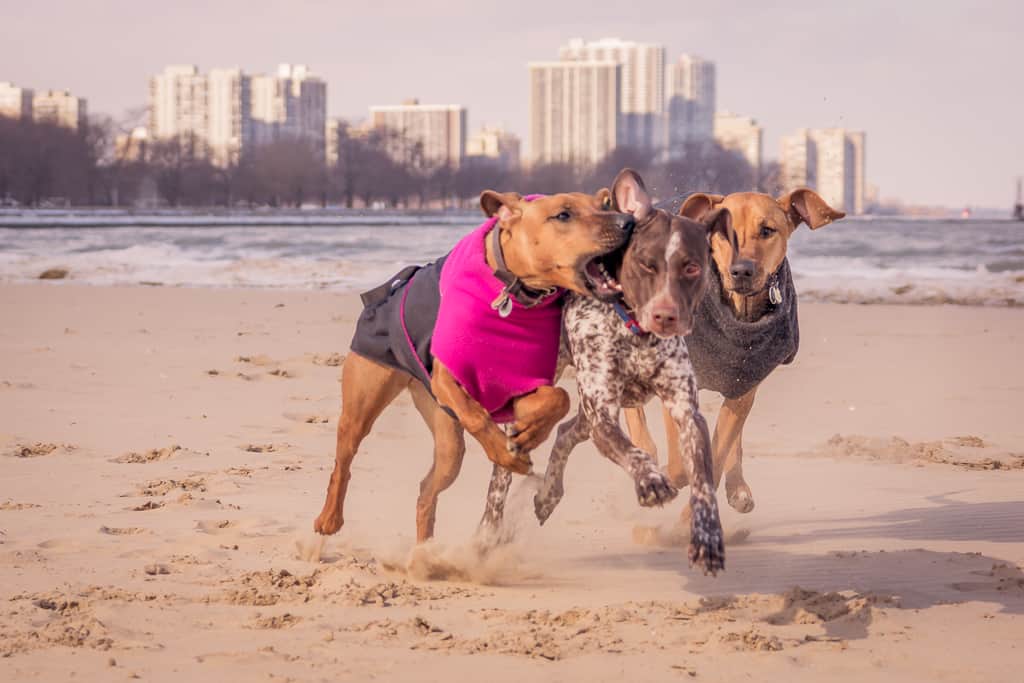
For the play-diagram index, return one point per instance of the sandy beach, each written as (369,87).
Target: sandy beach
(163,452)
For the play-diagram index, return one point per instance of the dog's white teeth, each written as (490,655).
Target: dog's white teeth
(617,287)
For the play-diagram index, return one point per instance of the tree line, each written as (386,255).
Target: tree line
(43,164)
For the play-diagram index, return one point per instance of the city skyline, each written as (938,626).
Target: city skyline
(863,73)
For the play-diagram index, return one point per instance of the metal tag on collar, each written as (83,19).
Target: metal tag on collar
(503,304)
(775,294)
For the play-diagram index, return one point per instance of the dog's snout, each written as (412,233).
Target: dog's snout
(665,317)
(742,269)
(626,222)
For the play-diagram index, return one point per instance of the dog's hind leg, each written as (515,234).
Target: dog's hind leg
(570,434)
(449,449)
(366,389)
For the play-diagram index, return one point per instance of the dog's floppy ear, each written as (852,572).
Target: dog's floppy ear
(699,204)
(504,205)
(806,206)
(630,194)
(720,221)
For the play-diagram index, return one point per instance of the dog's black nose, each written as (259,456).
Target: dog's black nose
(742,269)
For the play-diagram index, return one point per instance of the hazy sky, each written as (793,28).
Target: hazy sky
(938,86)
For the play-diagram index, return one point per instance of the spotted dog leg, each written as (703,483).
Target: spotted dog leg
(707,548)
(652,485)
(571,433)
(494,512)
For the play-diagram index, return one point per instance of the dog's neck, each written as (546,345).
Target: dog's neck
(747,309)
(513,261)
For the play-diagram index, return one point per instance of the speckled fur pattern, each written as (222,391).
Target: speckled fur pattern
(614,369)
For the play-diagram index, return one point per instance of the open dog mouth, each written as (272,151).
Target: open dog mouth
(598,273)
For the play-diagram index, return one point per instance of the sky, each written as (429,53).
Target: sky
(937,85)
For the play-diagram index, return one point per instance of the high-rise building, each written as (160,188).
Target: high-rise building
(424,135)
(830,161)
(178,107)
(332,133)
(742,135)
(292,104)
(59,107)
(691,101)
(641,89)
(226,113)
(15,102)
(574,111)
(229,121)
(495,144)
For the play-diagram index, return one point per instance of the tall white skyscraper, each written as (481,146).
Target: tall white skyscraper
(429,135)
(15,102)
(290,105)
(574,111)
(229,124)
(742,135)
(830,161)
(642,85)
(691,101)
(178,107)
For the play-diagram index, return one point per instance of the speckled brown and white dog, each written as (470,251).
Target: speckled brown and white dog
(628,348)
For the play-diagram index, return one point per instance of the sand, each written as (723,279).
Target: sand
(163,453)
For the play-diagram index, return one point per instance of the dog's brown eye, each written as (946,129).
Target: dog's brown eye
(607,203)
(691,270)
(766,232)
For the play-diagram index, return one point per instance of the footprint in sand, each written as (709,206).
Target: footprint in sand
(154,455)
(148,505)
(123,531)
(11,505)
(264,447)
(215,526)
(332,360)
(38,449)
(307,418)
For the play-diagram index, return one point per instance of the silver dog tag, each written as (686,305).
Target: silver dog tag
(775,294)
(503,305)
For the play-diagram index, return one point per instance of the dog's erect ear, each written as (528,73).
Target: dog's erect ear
(720,221)
(806,206)
(504,205)
(699,205)
(630,195)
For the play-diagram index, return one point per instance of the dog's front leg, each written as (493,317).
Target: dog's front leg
(727,446)
(707,547)
(476,420)
(652,486)
(570,434)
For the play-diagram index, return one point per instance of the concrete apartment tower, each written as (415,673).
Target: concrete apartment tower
(691,101)
(574,111)
(742,135)
(15,102)
(428,135)
(830,161)
(229,115)
(642,86)
(178,107)
(59,107)
(495,144)
(292,104)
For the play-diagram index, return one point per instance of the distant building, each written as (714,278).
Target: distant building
(641,88)
(290,105)
(229,122)
(178,107)
(830,161)
(691,101)
(426,135)
(495,144)
(133,146)
(61,108)
(226,113)
(15,102)
(742,135)
(332,137)
(574,111)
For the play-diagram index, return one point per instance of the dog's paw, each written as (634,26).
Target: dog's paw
(328,523)
(707,546)
(653,488)
(740,498)
(545,501)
